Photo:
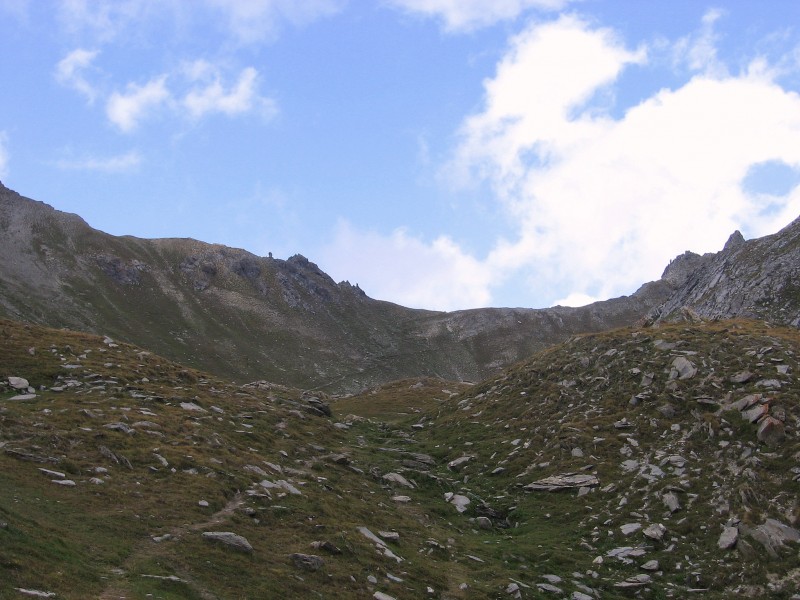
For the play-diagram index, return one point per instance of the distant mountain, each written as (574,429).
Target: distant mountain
(244,317)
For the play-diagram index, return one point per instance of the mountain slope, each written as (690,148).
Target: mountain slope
(676,450)
(246,317)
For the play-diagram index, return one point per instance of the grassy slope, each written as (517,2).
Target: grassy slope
(95,540)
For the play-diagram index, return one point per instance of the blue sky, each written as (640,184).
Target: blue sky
(442,154)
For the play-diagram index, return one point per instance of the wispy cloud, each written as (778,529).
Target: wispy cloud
(69,72)
(467,15)
(256,21)
(127,109)
(208,94)
(111,164)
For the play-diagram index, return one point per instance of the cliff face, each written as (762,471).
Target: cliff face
(754,279)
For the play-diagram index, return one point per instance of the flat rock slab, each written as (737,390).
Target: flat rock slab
(229,539)
(567,481)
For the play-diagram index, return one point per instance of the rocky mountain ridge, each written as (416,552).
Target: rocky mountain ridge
(246,317)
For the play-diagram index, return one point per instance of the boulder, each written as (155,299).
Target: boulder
(682,368)
(771,431)
(773,535)
(308,562)
(229,539)
(655,531)
(18,383)
(728,538)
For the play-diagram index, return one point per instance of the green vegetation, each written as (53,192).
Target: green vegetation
(124,425)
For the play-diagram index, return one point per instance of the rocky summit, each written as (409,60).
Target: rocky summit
(308,441)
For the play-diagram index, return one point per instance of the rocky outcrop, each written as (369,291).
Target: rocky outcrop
(751,279)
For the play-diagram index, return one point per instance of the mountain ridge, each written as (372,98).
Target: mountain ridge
(245,317)
(228,311)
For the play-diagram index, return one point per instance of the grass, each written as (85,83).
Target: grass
(96,540)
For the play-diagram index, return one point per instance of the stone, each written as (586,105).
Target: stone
(771,432)
(629,528)
(577,453)
(308,562)
(655,531)
(483,523)
(22,397)
(389,536)
(382,596)
(728,538)
(398,479)
(229,539)
(640,580)
(755,413)
(772,534)
(650,565)
(683,368)
(49,473)
(402,499)
(547,587)
(35,593)
(192,407)
(742,377)
(456,464)
(18,383)
(562,482)
(459,501)
(121,427)
(64,482)
(671,502)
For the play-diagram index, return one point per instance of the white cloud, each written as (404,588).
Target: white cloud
(699,50)
(466,15)
(604,202)
(436,275)
(4,156)
(125,110)
(111,164)
(69,72)
(254,21)
(208,95)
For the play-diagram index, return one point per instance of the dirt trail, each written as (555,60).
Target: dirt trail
(118,587)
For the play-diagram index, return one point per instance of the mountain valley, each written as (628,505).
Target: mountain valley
(184,420)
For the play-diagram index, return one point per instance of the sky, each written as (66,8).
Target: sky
(442,154)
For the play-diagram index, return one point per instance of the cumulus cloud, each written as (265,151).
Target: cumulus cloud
(466,15)
(69,72)
(603,203)
(110,164)
(208,94)
(602,196)
(415,273)
(127,109)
